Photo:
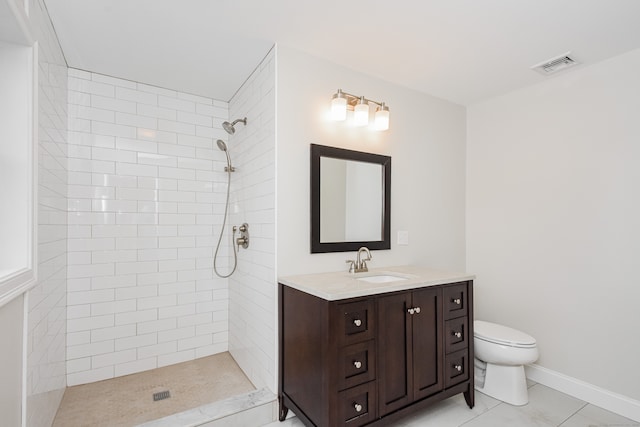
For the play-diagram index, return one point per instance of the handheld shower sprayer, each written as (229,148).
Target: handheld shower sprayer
(223,147)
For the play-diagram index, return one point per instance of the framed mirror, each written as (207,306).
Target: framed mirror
(350,200)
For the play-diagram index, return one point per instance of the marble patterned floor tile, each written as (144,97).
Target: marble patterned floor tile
(451,412)
(253,417)
(594,416)
(220,410)
(291,421)
(546,408)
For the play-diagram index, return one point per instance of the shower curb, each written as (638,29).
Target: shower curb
(245,409)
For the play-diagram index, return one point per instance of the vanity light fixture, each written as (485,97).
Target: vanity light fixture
(382,117)
(339,106)
(343,101)
(361,112)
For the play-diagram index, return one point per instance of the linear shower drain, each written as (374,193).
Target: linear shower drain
(161,395)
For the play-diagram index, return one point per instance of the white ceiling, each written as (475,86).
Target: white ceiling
(460,50)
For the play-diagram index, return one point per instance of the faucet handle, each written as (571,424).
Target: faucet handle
(352,266)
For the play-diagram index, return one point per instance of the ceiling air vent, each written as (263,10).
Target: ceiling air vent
(556,64)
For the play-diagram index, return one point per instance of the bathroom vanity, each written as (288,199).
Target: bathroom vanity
(369,348)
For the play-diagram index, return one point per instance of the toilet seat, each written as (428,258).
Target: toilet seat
(502,335)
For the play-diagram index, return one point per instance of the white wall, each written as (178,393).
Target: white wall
(11,336)
(145,196)
(553,218)
(46,374)
(426,141)
(252,291)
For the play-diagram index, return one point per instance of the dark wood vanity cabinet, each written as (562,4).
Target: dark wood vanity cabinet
(373,359)
(409,347)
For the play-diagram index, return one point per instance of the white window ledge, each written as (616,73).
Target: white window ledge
(15,285)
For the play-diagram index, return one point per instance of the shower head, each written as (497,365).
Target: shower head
(221,145)
(229,127)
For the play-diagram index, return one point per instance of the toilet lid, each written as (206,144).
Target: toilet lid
(502,334)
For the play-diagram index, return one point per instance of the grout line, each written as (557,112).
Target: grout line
(572,415)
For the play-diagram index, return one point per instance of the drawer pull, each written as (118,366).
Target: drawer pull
(456,301)
(357,364)
(357,322)
(457,334)
(457,367)
(357,407)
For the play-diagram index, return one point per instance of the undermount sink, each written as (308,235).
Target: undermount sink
(381,278)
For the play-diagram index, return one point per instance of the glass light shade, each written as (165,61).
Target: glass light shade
(339,108)
(382,119)
(361,114)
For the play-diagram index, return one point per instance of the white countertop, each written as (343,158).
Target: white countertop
(341,285)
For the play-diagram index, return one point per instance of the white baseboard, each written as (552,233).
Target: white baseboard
(595,395)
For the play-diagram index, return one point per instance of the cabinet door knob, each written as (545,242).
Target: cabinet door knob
(357,364)
(417,309)
(456,301)
(357,322)
(411,310)
(357,407)
(457,368)
(457,334)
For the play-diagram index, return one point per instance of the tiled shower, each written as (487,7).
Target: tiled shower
(146,201)
(131,197)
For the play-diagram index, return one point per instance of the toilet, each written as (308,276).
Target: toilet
(500,355)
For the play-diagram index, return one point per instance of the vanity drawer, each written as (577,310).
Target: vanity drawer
(357,405)
(358,364)
(358,321)
(455,300)
(455,334)
(456,368)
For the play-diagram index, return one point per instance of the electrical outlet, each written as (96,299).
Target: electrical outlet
(403,238)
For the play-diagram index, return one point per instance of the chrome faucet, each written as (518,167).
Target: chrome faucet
(360,265)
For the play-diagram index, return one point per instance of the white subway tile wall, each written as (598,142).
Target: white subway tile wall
(252,289)
(146,196)
(46,318)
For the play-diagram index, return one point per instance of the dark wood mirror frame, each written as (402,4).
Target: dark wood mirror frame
(318,151)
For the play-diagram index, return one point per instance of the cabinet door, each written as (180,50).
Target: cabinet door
(427,338)
(395,383)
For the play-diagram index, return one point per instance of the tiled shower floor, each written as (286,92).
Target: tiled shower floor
(128,400)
